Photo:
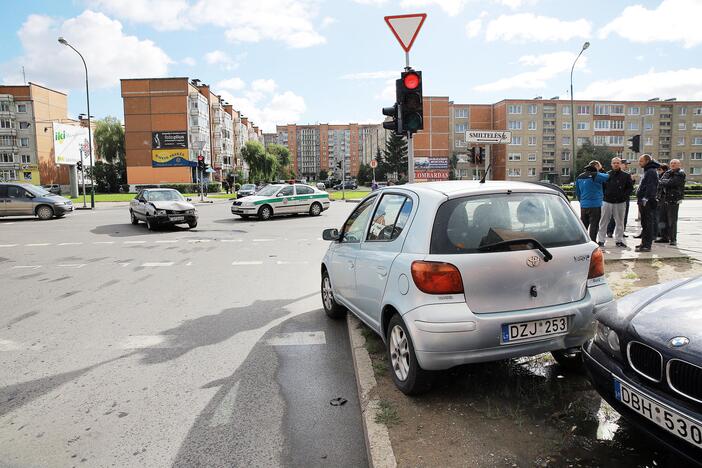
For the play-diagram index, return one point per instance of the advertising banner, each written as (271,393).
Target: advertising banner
(69,142)
(169,158)
(167,140)
(429,163)
(431,175)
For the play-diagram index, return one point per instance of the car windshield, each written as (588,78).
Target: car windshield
(248,187)
(464,225)
(269,190)
(39,191)
(164,195)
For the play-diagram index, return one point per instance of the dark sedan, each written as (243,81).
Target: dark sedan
(646,361)
(348,185)
(246,190)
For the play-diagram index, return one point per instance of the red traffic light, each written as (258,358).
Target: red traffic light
(411,81)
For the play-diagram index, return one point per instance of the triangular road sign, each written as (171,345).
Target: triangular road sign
(406,27)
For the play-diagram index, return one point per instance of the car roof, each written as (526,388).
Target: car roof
(161,190)
(453,188)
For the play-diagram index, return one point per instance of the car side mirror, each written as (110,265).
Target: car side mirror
(330,235)
(189,199)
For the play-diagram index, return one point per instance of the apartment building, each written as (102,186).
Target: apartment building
(26,134)
(169,122)
(339,149)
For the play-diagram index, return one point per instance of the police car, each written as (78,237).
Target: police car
(281,199)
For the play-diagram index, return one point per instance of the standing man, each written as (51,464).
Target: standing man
(672,183)
(610,228)
(617,190)
(646,198)
(588,190)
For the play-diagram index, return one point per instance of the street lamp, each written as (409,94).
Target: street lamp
(572,109)
(90,134)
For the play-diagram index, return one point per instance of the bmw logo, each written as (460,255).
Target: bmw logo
(679,341)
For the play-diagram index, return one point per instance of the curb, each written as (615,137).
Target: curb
(378,446)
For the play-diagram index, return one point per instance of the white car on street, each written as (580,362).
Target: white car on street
(451,273)
(281,199)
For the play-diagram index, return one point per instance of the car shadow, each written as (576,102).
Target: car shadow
(131,230)
(11,219)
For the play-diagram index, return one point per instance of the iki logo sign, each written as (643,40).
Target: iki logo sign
(60,135)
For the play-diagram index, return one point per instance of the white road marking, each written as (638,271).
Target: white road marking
(189,263)
(135,242)
(7,224)
(9,345)
(103,242)
(145,341)
(72,265)
(224,413)
(71,243)
(171,241)
(284,262)
(253,262)
(8,245)
(199,240)
(124,264)
(298,339)
(231,240)
(157,264)
(26,267)
(36,245)
(263,240)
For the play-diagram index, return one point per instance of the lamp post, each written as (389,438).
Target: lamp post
(90,134)
(572,110)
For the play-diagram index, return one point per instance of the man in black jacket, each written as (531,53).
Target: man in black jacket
(646,197)
(617,190)
(672,184)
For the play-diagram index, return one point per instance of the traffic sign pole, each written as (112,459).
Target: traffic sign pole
(410,158)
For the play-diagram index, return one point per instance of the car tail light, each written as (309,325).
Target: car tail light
(437,278)
(596,264)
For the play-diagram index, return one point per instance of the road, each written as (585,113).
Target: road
(124,347)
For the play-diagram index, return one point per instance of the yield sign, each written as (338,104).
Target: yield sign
(406,27)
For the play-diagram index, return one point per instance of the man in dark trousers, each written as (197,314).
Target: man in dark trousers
(672,184)
(616,193)
(646,198)
(610,228)
(588,190)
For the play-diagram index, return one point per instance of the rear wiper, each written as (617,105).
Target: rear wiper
(530,242)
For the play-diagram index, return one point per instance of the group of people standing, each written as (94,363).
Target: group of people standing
(605,198)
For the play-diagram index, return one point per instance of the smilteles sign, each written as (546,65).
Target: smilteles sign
(498,137)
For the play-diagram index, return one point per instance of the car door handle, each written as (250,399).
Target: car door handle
(382,271)
(351,264)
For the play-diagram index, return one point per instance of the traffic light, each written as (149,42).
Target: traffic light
(395,125)
(635,143)
(79,166)
(473,155)
(481,155)
(410,101)
(201,162)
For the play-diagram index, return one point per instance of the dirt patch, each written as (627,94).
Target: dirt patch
(520,412)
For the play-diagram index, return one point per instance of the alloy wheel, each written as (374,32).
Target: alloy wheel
(399,353)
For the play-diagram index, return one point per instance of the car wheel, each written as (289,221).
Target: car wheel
(45,212)
(265,213)
(570,359)
(315,209)
(404,368)
(133,216)
(192,225)
(149,224)
(331,307)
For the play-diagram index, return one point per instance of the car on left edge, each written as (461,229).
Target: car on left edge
(160,207)
(17,199)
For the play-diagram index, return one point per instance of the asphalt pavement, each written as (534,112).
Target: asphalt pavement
(205,347)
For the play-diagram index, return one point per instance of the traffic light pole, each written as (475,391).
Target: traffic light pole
(202,187)
(410,157)
(82,179)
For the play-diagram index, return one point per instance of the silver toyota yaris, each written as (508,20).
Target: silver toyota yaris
(450,273)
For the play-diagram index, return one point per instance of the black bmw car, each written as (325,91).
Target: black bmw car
(646,361)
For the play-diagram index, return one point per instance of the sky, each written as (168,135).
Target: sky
(335,61)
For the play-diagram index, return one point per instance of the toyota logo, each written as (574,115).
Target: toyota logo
(533,261)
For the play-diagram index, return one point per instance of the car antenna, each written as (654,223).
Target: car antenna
(482,181)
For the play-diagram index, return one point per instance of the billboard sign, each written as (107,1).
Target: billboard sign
(170,158)
(499,137)
(69,142)
(168,140)
(430,163)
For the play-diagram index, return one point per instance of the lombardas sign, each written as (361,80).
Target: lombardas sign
(168,140)
(496,137)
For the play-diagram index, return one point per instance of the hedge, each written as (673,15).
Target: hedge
(212,187)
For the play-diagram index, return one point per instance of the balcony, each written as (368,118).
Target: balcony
(8,131)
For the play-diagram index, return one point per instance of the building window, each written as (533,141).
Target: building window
(650,110)
(601,109)
(600,140)
(566,126)
(26,159)
(566,110)
(532,125)
(601,124)
(461,113)
(532,141)
(583,125)
(7,157)
(7,140)
(565,141)
(634,110)
(616,109)
(4,107)
(617,124)
(680,155)
(516,140)
(532,157)
(648,126)
(633,126)
(514,157)
(583,110)
(5,123)
(683,110)
(648,141)
(514,172)
(695,170)
(697,141)
(616,140)
(695,156)
(565,171)
(533,108)
(514,109)
(582,140)
(697,111)
(21,107)
(681,141)
(7,175)
(565,156)
(697,126)
(461,128)
(514,125)
(682,126)
(24,142)
(531,172)
(24,125)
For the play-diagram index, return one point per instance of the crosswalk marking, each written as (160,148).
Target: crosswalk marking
(37,245)
(157,264)
(8,245)
(198,240)
(252,262)
(231,240)
(103,242)
(283,262)
(71,243)
(26,267)
(169,241)
(135,242)
(72,265)
(263,240)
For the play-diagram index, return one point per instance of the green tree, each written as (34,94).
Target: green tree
(453,164)
(589,152)
(254,154)
(109,139)
(323,175)
(365,174)
(395,155)
(108,177)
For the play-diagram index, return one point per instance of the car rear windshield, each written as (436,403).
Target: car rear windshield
(463,225)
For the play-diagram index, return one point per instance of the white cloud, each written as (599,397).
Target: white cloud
(328,21)
(189,61)
(371,2)
(548,66)
(529,27)
(473,27)
(164,15)
(672,21)
(264,106)
(109,53)
(450,7)
(232,84)
(221,58)
(681,84)
(375,75)
(388,92)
